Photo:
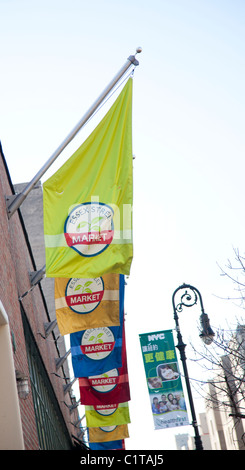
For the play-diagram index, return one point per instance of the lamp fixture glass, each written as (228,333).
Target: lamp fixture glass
(207,334)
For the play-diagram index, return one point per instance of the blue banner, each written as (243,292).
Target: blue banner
(97,350)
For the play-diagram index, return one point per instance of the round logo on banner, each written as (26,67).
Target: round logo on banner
(104,382)
(106,410)
(89,228)
(108,428)
(97,343)
(84,295)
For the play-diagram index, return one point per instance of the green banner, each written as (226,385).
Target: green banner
(163,379)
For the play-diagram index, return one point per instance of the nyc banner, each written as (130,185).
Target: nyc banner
(163,380)
(107,415)
(108,388)
(88,303)
(108,433)
(87,203)
(97,350)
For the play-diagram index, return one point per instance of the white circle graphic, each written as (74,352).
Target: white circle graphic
(84,295)
(104,382)
(89,228)
(97,343)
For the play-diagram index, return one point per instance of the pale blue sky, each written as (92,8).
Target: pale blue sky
(188,136)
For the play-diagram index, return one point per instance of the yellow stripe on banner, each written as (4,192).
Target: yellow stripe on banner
(109,295)
(52,241)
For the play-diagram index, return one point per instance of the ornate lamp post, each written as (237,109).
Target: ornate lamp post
(189,298)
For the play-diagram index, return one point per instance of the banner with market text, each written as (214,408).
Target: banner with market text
(97,350)
(108,433)
(163,380)
(107,415)
(107,388)
(88,303)
(87,203)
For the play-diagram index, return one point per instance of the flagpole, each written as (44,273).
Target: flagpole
(15,201)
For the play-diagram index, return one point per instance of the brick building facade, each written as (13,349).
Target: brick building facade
(48,415)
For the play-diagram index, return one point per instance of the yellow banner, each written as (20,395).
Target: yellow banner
(87,203)
(83,304)
(108,433)
(107,415)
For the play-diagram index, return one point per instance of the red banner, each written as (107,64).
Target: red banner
(107,388)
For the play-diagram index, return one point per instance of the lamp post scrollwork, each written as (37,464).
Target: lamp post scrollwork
(189,298)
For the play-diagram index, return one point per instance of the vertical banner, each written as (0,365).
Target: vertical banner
(97,350)
(88,303)
(87,203)
(163,380)
(107,388)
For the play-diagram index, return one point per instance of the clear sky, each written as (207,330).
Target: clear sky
(188,138)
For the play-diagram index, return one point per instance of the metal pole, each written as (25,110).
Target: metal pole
(13,203)
(181,346)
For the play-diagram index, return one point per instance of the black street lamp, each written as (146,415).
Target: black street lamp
(188,299)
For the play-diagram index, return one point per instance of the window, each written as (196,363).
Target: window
(51,427)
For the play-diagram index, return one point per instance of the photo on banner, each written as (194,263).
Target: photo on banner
(163,380)
(88,303)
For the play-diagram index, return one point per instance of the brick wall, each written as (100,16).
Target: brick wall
(15,264)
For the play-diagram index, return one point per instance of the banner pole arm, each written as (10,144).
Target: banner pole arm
(14,201)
